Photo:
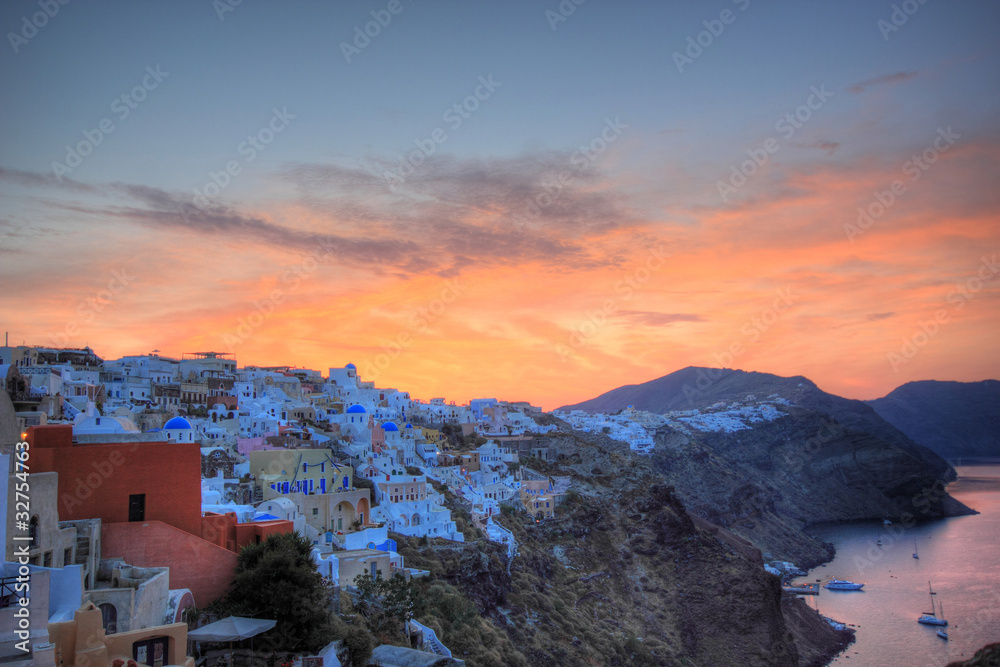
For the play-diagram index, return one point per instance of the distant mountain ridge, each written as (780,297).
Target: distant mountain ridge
(699,388)
(954,419)
(828,458)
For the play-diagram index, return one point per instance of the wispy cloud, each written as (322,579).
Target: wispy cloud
(448,215)
(830,147)
(655,319)
(887,80)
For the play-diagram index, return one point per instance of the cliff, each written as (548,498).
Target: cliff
(624,575)
(825,458)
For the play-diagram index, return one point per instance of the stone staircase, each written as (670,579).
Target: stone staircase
(430,640)
(498,533)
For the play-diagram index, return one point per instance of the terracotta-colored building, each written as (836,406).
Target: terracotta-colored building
(148,497)
(121,482)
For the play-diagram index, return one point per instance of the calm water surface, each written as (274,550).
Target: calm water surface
(960,556)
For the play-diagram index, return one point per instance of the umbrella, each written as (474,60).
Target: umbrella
(264,517)
(230,629)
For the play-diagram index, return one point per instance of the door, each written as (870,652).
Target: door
(137,507)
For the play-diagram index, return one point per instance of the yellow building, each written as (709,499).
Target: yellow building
(355,562)
(83,643)
(309,471)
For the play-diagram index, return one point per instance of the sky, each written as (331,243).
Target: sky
(529,200)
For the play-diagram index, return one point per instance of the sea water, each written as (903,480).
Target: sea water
(960,556)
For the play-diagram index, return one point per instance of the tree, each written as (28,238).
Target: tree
(387,604)
(277,579)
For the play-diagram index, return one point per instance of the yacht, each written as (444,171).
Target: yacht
(840,585)
(942,634)
(932,618)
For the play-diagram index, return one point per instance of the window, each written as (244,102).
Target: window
(152,652)
(33,531)
(68,556)
(47,559)
(315,511)
(137,507)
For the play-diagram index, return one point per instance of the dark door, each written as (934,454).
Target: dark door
(137,507)
(109,618)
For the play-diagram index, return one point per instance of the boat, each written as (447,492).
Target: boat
(942,634)
(915,550)
(932,618)
(841,585)
(879,542)
(886,522)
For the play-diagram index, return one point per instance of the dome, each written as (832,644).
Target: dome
(409,425)
(351,367)
(176,423)
(389,426)
(356,409)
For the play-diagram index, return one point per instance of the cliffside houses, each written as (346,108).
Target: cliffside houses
(158,470)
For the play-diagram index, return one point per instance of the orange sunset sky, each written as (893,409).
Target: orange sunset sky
(448,281)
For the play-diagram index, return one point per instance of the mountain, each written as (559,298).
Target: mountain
(954,419)
(818,458)
(695,388)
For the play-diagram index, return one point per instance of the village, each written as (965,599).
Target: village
(149,475)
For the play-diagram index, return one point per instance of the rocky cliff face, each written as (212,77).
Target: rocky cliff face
(954,419)
(768,482)
(825,459)
(625,575)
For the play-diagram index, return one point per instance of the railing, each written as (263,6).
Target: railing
(8,595)
(430,639)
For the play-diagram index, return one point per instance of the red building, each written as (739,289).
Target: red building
(148,497)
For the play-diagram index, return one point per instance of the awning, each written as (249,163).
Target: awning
(232,628)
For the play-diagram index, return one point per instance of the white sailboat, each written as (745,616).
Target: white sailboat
(915,550)
(932,618)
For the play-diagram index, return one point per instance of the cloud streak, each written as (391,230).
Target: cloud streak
(887,80)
